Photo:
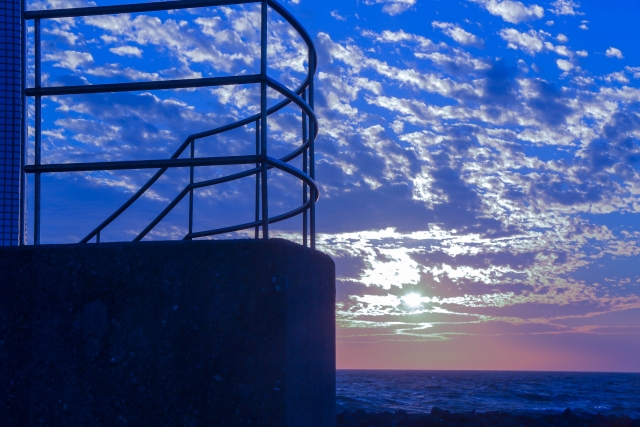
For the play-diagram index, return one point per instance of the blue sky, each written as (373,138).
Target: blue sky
(478,160)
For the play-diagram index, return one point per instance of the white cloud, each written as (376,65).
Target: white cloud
(113,70)
(616,77)
(336,15)
(583,25)
(582,53)
(531,42)
(583,81)
(126,51)
(69,37)
(460,59)
(564,65)
(512,11)
(549,23)
(393,7)
(70,59)
(562,38)
(634,70)
(399,36)
(565,7)
(613,52)
(560,50)
(458,34)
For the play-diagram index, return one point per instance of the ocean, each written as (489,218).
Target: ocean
(464,391)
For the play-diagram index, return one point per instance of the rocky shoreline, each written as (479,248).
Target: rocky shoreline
(439,417)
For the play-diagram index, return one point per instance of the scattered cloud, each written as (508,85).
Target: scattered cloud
(565,7)
(613,52)
(337,16)
(393,7)
(617,76)
(126,51)
(562,38)
(634,70)
(564,65)
(512,11)
(69,59)
(458,34)
(504,190)
(531,42)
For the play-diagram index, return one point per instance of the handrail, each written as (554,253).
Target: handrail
(296,96)
(139,86)
(159,6)
(141,164)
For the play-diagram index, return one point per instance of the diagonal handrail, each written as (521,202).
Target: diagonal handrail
(190,139)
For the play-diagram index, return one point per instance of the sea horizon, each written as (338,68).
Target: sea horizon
(525,392)
(487,370)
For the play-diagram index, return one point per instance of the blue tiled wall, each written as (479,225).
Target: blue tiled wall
(9,121)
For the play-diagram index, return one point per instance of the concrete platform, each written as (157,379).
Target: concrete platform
(203,333)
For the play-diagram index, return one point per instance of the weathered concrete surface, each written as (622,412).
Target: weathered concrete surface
(203,333)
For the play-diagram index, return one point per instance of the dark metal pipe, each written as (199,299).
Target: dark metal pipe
(38,135)
(191,176)
(233,228)
(139,86)
(263,118)
(257,201)
(162,214)
(222,230)
(142,164)
(312,160)
(294,98)
(304,169)
(22,228)
(129,8)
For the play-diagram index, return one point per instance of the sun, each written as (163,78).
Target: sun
(412,300)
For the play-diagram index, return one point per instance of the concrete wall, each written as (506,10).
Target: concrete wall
(10,119)
(203,333)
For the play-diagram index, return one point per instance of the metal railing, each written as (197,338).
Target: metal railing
(302,97)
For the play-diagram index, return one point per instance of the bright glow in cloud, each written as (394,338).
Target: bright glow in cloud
(412,300)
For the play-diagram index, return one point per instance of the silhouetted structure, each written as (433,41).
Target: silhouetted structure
(10,122)
(189,333)
(303,97)
(204,333)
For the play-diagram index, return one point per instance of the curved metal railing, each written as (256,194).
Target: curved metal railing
(303,97)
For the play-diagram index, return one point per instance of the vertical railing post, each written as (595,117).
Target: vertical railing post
(257,204)
(22,229)
(312,166)
(191,173)
(263,118)
(305,135)
(38,133)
